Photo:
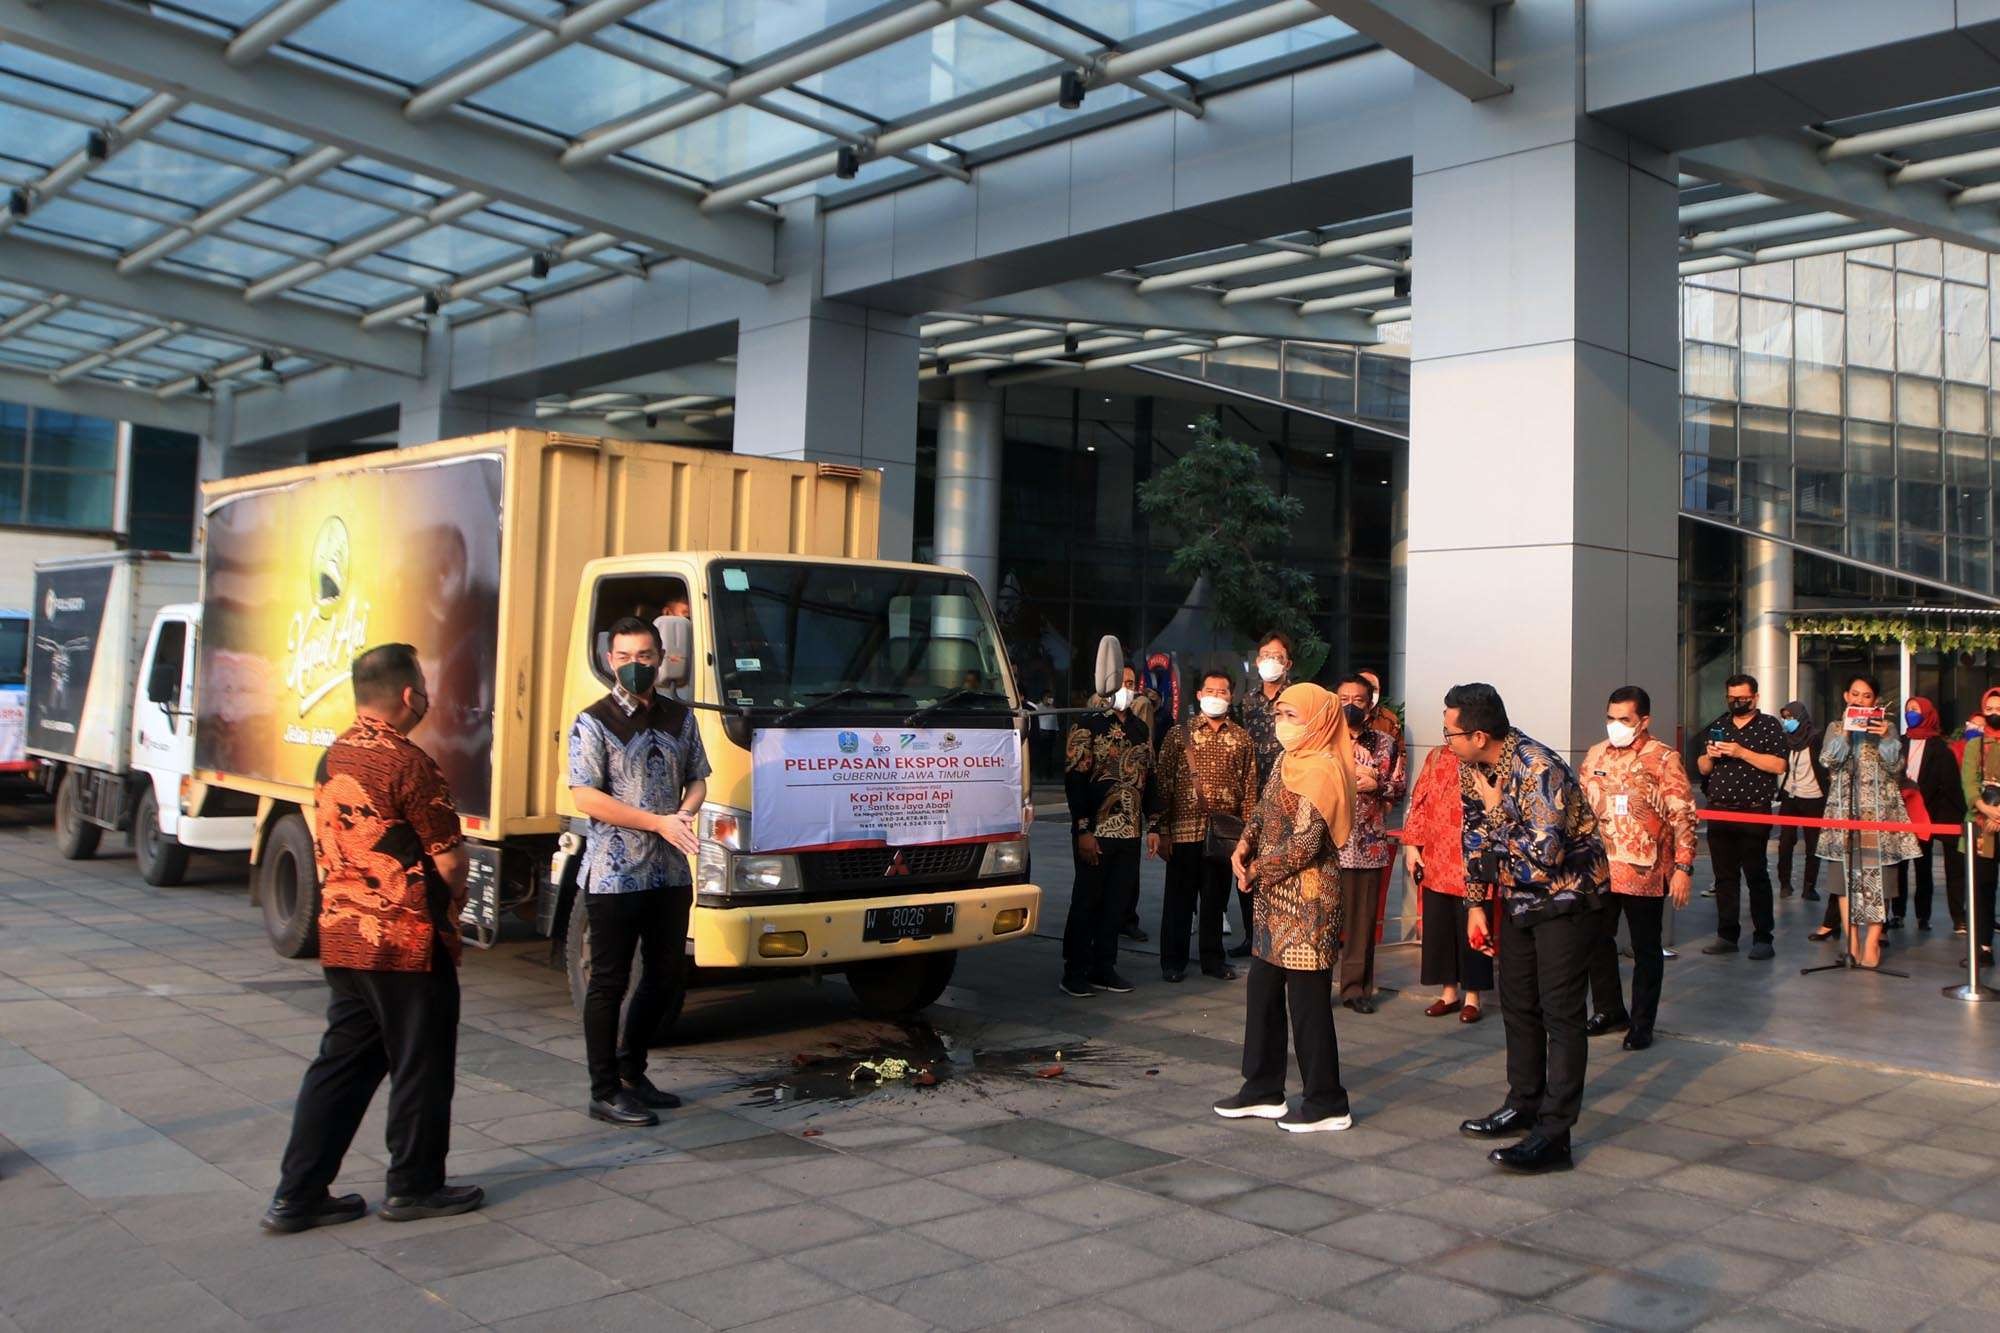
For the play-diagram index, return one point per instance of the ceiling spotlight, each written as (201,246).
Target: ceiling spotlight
(1070,91)
(652,420)
(942,365)
(431,305)
(538,264)
(1402,284)
(265,362)
(1069,348)
(18,203)
(847,162)
(97,147)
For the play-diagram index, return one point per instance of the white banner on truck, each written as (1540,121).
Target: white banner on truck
(817,786)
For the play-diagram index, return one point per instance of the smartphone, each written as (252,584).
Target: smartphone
(1717,735)
(1417,875)
(1859,719)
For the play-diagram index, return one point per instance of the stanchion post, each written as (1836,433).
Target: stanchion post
(1971,992)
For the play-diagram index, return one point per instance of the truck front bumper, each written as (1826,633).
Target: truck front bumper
(216,833)
(737,936)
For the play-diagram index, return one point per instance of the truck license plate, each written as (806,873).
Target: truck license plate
(915,922)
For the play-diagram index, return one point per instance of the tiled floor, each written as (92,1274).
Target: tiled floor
(150,1044)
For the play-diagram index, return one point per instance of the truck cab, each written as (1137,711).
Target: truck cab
(14,637)
(172,811)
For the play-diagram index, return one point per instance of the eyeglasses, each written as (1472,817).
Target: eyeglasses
(1454,735)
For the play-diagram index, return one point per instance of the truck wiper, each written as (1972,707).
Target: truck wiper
(836,696)
(952,698)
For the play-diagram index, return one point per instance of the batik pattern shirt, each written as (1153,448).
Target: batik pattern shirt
(1295,875)
(381,811)
(1539,849)
(644,754)
(1260,719)
(1435,824)
(1107,773)
(1368,847)
(1867,787)
(1645,812)
(1216,775)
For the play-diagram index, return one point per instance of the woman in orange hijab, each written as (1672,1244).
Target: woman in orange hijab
(1289,862)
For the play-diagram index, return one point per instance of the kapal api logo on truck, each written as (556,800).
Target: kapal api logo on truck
(325,638)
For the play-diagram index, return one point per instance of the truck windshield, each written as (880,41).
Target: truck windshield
(13,651)
(885,640)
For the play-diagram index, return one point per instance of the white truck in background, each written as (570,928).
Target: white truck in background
(110,710)
(14,759)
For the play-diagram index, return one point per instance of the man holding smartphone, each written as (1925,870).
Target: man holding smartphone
(1742,758)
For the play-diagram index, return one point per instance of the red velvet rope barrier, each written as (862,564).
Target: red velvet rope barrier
(1800,821)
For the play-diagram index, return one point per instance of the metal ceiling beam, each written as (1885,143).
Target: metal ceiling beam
(1114,302)
(515,55)
(306,329)
(103,145)
(1450,40)
(101,398)
(1793,169)
(324,108)
(272,26)
(231,208)
(138,342)
(364,245)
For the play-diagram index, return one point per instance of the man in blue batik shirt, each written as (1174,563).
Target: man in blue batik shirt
(1533,853)
(637,771)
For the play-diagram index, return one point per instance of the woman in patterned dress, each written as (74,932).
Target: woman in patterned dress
(1289,860)
(1434,855)
(1866,786)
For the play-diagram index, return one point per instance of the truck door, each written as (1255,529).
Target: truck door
(162,712)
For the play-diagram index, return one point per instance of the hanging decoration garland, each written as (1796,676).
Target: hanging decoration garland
(1921,633)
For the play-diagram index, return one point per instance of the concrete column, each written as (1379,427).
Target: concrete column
(212,460)
(1543,457)
(830,381)
(1395,684)
(969,452)
(1767,600)
(432,410)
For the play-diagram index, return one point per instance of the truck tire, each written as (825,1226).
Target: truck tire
(288,888)
(576,954)
(899,987)
(162,860)
(76,837)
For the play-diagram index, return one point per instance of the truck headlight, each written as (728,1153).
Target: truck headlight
(765,874)
(1005,858)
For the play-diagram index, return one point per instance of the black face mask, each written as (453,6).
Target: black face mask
(1356,714)
(1742,706)
(1993,721)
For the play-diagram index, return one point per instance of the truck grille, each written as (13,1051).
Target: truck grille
(869,867)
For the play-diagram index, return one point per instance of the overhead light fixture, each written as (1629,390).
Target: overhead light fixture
(1069,348)
(265,362)
(18,203)
(847,162)
(1402,284)
(1090,448)
(538,266)
(942,364)
(431,304)
(1329,455)
(652,420)
(97,147)
(1069,95)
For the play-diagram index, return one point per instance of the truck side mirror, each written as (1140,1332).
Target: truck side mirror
(676,651)
(1110,665)
(163,682)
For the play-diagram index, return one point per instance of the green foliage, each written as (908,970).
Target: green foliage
(1922,633)
(1234,532)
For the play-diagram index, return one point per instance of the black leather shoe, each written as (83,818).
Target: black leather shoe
(1360,1005)
(282,1218)
(623,1109)
(1762,951)
(1499,1125)
(1223,973)
(447,1202)
(1533,1154)
(1810,895)
(1721,946)
(1173,974)
(1241,951)
(642,1091)
(1136,934)
(1600,1024)
(1636,1040)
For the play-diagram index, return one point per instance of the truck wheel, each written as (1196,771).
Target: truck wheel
(898,987)
(162,860)
(76,837)
(288,888)
(576,951)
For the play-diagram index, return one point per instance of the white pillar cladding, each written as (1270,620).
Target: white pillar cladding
(969,453)
(212,456)
(1767,600)
(825,380)
(1396,682)
(1544,422)
(431,410)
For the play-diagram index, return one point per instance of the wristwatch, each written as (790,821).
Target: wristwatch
(1683,867)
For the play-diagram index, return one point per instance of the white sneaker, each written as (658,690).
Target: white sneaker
(1328,1125)
(1239,1108)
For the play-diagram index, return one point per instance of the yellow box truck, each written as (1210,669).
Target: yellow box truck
(866,813)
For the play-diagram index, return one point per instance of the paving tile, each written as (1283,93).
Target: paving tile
(909,1201)
(1194,1301)
(994,1233)
(1372,1184)
(406,1309)
(622,1312)
(1834,1297)
(1847,1212)
(1088,1265)
(588,1224)
(1192,1182)
(1284,1208)
(1506,1270)
(528,1287)
(1298,1268)
(1096,1206)
(787,1230)
(1475,1209)
(731,1297)
(1009,1178)
(1582,1236)
(459,1250)
(1416,1302)
(850,1314)
(1391,1237)
(984,1295)
(711,1200)
(878,1261)
(1635,1303)
(1801,1242)
(1190,1235)
(1710,1267)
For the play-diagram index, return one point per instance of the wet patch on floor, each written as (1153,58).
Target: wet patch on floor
(917,1058)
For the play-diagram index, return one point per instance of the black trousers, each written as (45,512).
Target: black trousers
(1448,958)
(1932,849)
(1544,977)
(1097,908)
(1193,880)
(652,924)
(1644,916)
(1360,904)
(398,1025)
(1737,851)
(1985,875)
(1270,992)
(1789,837)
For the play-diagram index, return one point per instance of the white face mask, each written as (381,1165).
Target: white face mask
(1212,706)
(1621,734)
(1271,669)
(1122,700)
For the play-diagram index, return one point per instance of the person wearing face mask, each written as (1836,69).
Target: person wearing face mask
(1258,713)
(1979,774)
(638,773)
(392,867)
(1932,790)
(1205,781)
(1742,757)
(1289,857)
(1367,851)
(1865,758)
(1638,787)
(1533,855)
(1108,771)
(1801,794)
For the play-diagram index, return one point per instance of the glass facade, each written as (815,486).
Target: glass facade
(57,469)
